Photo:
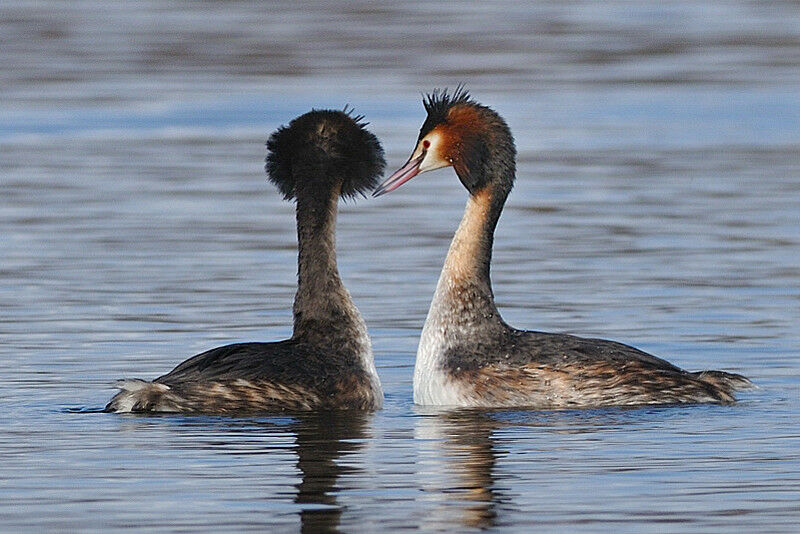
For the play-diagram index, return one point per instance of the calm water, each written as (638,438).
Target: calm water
(658,203)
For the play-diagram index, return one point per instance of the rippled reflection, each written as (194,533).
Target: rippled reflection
(462,451)
(459,455)
(252,465)
(322,439)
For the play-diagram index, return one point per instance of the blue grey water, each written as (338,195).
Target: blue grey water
(657,203)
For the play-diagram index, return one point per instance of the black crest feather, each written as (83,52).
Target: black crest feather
(439,102)
(323,149)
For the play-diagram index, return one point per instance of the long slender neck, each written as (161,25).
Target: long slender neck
(464,295)
(322,305)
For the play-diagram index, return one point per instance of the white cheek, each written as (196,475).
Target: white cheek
(433,160)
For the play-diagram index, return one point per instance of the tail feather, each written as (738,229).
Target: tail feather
(137,396)
(727,382)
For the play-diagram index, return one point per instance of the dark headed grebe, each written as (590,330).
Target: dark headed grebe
(468,356)
(327,363)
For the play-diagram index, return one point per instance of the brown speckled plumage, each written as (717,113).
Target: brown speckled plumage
(327,364)
(468,356)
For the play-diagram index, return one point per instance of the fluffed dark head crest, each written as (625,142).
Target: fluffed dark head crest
(321,149)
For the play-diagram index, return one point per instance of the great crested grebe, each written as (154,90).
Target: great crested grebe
(327,363)
(467,355)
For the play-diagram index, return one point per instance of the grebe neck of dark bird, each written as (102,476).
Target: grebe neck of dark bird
(323,308)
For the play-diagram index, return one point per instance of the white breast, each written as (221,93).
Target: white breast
(432,386)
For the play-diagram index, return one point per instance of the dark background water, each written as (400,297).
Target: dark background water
(657,203)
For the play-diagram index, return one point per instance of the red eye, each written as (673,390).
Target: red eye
(426,144)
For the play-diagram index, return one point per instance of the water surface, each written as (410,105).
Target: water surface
(657,203)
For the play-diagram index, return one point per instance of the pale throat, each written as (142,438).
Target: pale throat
(464,297)
(471,245)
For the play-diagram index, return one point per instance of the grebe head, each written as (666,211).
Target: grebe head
(324,150)
(460,133)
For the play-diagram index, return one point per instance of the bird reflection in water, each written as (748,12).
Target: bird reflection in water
(321,441)
(323,438)
(458,466)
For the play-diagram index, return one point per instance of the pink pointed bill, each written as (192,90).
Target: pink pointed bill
(401,176)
